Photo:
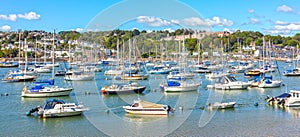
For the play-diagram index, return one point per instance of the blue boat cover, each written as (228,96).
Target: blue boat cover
(284,95)
(287,71)
(36,88)
(175,72)
(268,81)
(14,75)
(50,103)
(173,83)
(257,78)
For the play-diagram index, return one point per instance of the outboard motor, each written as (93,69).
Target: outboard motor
(170,109)
(33,110)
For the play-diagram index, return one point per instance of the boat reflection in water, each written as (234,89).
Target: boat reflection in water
(294,111)
(143,118)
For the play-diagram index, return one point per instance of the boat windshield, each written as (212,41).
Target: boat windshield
(232,79)
(51,103)
(135,105)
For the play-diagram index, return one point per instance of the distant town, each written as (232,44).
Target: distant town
(68,43)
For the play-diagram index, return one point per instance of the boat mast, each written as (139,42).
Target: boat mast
(69,52)
(263,54)
(45,52)
(26,46)
(19,47)
(118,52)
(297,57)
(53,54)
(198,52)
(35,55)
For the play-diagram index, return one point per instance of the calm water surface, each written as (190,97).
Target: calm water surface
(107,118)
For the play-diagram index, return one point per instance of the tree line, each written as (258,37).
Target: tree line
(150,42)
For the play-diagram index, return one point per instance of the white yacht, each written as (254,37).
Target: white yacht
(179,86)
(58,108)
(147,108)
(291,99)
(230,83)
(42,90)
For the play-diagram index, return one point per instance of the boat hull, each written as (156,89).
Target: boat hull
(61,114)
(125,91)
(231,87)
(192,87)
(79,78)
(19,79)
(134,77)
(274,84)
(222,105)
(145,111)
(65,92)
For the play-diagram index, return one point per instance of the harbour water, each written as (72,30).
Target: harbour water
(107,118)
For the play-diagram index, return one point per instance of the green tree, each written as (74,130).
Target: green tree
(190,44)
(292,42)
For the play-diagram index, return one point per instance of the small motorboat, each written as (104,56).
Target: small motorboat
(80,76)
(60,73)
(179,86)
(224,105)
(57,108)
(253,72)
(8,64)
(230,83)
(12,77)
(131,87)
(293,72)
(291,99)
(269,83)
(147,108)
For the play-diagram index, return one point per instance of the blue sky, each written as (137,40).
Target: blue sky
(267,16)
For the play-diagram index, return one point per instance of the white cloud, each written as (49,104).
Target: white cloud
(5,28)
(251,11)
(231,30)
(135,28)
(79,29)
(194,21)
(30,16)
(169,29)
(276,32)
(284,8)
(226,29)
(254,21)
(292,26)
(217,21)
(149,31)
(284,29)
(10,17)
(281,23)
(188,22)
(154,22)
(13,17)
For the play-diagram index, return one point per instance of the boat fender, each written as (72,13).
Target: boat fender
(103,91)
(255,104)
(180,108)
